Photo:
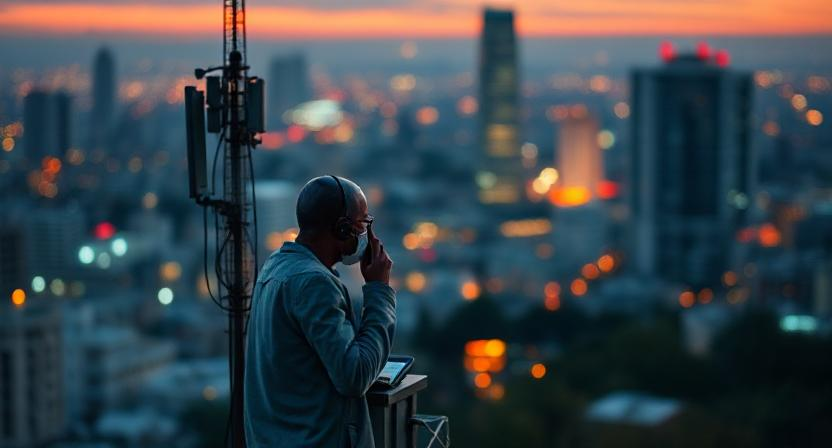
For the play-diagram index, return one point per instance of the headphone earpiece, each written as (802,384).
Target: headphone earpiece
(343,229)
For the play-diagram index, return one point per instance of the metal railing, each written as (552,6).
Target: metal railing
(396,423)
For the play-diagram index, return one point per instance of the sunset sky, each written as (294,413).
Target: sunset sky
(327,19)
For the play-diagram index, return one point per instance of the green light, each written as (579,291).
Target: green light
(119,247)
(86,255)
(165,296)
(38,284)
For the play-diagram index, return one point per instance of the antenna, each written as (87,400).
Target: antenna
(235,112)
(195,124)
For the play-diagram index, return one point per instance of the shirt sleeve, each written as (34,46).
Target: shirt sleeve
(352,359)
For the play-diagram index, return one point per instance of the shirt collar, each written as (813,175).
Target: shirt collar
(293,247)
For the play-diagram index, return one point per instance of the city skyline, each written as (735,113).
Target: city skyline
(658,244)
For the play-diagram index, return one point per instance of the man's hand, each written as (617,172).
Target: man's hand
(375,264)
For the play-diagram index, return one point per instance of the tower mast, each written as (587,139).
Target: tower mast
(235,112)
(236,195)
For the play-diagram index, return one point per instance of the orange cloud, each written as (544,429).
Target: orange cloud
(455,18)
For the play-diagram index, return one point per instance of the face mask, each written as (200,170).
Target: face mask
(359,250)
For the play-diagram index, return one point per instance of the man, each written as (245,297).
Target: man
(310,357)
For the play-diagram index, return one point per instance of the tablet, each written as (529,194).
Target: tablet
(394,371)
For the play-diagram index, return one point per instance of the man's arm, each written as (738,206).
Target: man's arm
(352,360)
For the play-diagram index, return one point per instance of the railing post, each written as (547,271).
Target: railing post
(392,413)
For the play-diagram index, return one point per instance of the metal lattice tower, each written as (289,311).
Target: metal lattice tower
(238,262)
(235,112)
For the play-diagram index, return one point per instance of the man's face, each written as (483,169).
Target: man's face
(360,220)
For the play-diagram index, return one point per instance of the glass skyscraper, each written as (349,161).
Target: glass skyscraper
(690,167)
(103,99)
(288,85)
(500,178)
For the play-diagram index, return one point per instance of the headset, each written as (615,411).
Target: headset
(343,226)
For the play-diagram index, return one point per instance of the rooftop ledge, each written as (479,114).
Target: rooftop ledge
(395,421)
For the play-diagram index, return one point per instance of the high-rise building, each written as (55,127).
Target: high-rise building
(46,124)
(276,220)
(116,363)
(63,124)
(103,98)
(500,179)
(52,238)
(31,375)
(579,217)
(37,140)
(690,168)
(578,160)
(288,85)
(12,263)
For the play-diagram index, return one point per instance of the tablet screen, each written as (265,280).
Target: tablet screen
(390,370)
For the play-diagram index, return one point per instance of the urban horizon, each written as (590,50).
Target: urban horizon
(599,240)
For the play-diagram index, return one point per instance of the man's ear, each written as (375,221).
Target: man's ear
(339,244)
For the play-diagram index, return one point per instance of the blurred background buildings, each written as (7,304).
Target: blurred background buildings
(598,242)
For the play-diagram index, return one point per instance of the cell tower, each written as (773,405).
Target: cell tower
(235,112)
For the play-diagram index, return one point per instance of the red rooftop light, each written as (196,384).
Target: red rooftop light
(722,58)
(703,51)
(666,51)
(104,230)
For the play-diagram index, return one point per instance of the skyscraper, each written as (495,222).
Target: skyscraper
(52,238)
(288,86)
(501,175)
(13,264)
(63,126)
(581,234)
(103,98)
(578,160)
(31,382)
(46,124)
(690,167)
(37,140)
(276,219)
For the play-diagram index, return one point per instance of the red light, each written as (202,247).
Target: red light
(272,140)
(104,230)
(336,95)
(723,58)
(666,51)
(608,189)
(295,133)
(746,234)
(427,255)
(768,235)
(703,51)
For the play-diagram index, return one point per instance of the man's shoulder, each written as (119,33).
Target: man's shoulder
(292,266)
(312,277)
(311,286)
(295,279)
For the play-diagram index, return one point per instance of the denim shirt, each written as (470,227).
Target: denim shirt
(308,362)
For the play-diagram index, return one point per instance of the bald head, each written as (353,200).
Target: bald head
(320,204)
